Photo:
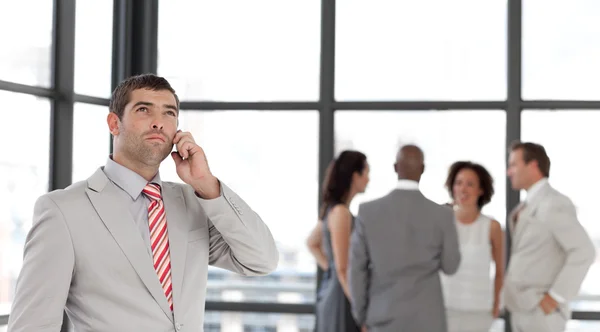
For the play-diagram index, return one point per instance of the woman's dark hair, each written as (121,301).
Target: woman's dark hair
(338,178)
(486,182)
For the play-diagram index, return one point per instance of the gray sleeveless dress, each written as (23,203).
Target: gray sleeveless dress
(333,309)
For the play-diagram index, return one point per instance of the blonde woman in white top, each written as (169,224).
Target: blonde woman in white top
(472,295)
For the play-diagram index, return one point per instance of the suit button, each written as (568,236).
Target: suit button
(178,326)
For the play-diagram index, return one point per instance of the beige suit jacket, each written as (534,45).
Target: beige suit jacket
(84,252)
(550,251)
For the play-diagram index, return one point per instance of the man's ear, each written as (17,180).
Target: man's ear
(532,165)
(113,123)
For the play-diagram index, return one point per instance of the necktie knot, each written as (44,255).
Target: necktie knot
(152,190)
(518,211)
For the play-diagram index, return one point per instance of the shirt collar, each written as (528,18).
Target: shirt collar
(131,182)
(535,189)
(405,184)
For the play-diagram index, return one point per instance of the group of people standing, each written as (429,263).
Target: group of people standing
(406,263)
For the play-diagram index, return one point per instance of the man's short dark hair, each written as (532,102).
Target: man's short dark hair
(120,97)
(531,152)
(486,182)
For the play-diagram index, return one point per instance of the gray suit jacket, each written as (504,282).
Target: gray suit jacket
(399,245)
(550,251)
(85,252)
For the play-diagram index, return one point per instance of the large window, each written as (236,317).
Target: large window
(24,163)
(574,171)
(263,50)
(421,50)
(445,137)
(93,47)
(270,160)
(25,41)
(561,49)
(238,56)
(91,140)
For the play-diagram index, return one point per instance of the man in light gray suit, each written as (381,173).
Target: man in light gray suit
(400,243)
(550,252)
(125,251)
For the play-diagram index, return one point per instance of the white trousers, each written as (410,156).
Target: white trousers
(469,321)
(537,321)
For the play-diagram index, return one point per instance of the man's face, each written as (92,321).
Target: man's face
(519,172)
(149,124)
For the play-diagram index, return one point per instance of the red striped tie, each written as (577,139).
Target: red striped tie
(159,238)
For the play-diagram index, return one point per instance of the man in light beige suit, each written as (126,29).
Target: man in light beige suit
(125,251)
(551,252)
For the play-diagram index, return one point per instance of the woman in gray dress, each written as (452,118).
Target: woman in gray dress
(329,242)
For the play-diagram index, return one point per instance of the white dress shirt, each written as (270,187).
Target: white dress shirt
(535,189)
(404,184)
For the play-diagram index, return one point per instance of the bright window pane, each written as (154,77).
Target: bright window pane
(445,137)
(270,160)
(26,41)
(574,171)
(24,168)
(257,322)
(583,326)
(572,326)
(421,50)
(93,47)
(91,140)
(561,49)
(264,50)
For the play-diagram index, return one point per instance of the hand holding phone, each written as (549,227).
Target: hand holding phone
(192,166)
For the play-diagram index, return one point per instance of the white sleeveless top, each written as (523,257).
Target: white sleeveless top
(471,287)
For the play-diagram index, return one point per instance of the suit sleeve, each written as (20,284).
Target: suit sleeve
(44,281)
(239,240)
(578,247)
(359,277)
(450,257)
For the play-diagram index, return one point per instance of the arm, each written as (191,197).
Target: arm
(239,240)
(578,247)
(340,226)
(359,278)
(450,259)
(45,278)
(314,244)
(497,241)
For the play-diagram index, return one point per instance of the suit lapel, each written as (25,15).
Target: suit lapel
(521,223)
(116,217)
(528,212)
(175,209)
(512,216)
